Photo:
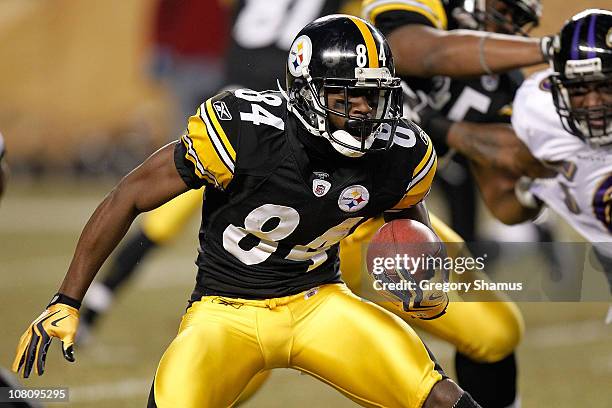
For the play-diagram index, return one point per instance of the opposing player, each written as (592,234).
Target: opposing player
(268,286)
(563,117)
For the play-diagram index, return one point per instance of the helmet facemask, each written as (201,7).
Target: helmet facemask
(593,124)
(327,106)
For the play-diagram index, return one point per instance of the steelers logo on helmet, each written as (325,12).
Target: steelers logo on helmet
(353,198)
(299,55)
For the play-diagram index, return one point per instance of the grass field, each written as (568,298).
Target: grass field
(565,358)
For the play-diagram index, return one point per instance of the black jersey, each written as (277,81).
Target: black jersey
(261,35)
(273,217)
(498,90)
(486,99)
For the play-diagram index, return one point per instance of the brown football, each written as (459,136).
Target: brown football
(409,244)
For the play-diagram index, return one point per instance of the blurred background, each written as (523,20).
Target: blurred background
(90,89)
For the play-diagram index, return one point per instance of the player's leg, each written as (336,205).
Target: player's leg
(365,352)
(159,226)
(200,368)
(484,333)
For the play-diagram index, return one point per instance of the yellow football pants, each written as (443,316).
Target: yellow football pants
(483,331)
(370,355)
(165,222)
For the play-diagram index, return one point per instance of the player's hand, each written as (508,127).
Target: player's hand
(547,48)
(418,303)
(58,320)
(419,108)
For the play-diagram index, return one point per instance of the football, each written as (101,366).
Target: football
(403,249)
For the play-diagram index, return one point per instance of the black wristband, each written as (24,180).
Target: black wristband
(67,300)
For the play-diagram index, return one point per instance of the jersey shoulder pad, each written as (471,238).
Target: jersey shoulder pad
(422,163)
(211,141)
(388,15)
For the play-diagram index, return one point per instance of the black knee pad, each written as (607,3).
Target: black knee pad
(491,384)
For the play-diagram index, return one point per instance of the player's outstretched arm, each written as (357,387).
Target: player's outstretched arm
(153,183)
(503,196)
(461,53)
(495,145)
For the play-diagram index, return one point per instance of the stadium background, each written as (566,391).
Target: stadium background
(78,108)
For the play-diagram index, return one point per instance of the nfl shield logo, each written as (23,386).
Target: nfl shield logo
(320,187)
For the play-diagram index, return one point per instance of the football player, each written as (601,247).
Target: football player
(268,291)
(563,117)
(259,35)
(485,360)
(499,325)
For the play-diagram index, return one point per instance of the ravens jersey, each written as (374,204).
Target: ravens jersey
(274,215)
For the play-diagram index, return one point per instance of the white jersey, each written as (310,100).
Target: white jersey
(581,192)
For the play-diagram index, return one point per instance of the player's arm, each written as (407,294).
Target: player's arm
(505,195)
(459,53)
(423,47)
(153,183)
(495,145)
(412,206)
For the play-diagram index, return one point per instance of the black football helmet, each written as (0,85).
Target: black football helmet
(582,63)
(344,56)
(510,16)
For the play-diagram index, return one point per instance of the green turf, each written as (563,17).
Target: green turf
(565,358)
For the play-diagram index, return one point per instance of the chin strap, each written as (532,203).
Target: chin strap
(346,138)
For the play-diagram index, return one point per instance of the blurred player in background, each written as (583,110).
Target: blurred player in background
(563,117)
(268,287)
(192,68)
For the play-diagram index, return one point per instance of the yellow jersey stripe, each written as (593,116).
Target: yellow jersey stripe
(369,41)
(418,189)
(433,10)
(202,147)
(219,131)
(192,156)
(427,172)
(425,158)
(217,142)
